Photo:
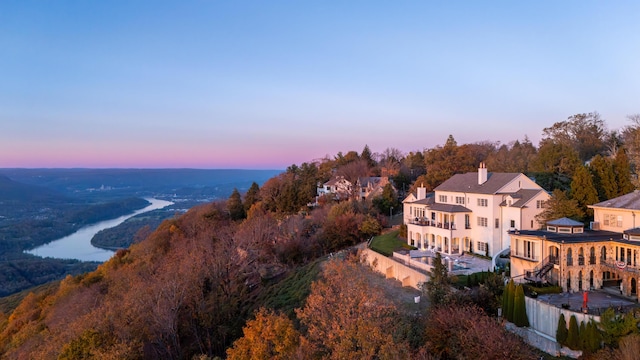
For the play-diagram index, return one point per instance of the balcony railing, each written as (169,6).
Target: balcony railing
(621,265)
(522,255)
(569,261)
(428,222)
(592,260)
(580,260)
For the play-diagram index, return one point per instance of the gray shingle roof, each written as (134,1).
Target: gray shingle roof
(469,183)
(430,199)
(450,208)
(586,236)
(522,197)
(629,201)
(564,222)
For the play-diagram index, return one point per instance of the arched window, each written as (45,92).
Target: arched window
(580,257)
(580,280)
(603,254)
(569,257)
(592,256)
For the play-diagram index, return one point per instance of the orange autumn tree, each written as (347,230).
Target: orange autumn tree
(268,336)
(346,317)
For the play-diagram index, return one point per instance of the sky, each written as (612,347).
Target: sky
(267,84)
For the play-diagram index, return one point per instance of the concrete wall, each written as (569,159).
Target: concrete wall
(544,317)
(395,269)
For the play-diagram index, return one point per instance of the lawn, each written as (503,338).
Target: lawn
(385,244)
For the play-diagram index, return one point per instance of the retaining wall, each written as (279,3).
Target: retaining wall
(393,268)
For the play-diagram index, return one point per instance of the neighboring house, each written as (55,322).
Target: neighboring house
(342,189)
(372,186)
(473,212)
(567,254)
(338,187)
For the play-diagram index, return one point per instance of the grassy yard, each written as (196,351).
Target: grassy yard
(385,244)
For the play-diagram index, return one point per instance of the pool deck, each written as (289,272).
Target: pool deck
(466,264)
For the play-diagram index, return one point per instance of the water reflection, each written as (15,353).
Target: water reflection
(78,245)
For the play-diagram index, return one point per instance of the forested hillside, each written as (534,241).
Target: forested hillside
(249,277)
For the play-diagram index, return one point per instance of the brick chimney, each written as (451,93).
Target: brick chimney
(482,173)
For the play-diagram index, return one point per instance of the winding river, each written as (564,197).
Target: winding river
(78,245)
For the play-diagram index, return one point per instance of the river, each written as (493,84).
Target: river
(78,245)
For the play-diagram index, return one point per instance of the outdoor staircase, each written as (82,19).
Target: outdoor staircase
(538,274)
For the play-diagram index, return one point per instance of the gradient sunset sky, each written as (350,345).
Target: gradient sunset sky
(266,84)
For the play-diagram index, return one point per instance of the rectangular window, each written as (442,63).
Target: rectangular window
(525,249)
(482,221)
(619,222)
(497,223)
(460,200)
(482,246)
(512,223)
(539,204)
(483,202)
(442,198)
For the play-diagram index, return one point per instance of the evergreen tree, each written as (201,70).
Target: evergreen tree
(559,206)
(622,170)
(252,196)
(439,285)
(594,338)
(511,290)
(562,332)
(505,300)
(368,157)
(583,336)
(604,178)
(583,191)
(615,326)
(387,200)
(554,165)
(573,338)
(520,318)
(235,207)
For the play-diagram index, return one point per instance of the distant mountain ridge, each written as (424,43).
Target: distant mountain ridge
(15,191)
(217,183)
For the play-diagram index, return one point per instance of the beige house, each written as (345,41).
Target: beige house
(473,212)
(567,254)
(342,189)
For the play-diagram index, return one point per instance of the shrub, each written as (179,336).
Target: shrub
(465,332)
(562,332)
(511,289)
(573,338)
(520,309)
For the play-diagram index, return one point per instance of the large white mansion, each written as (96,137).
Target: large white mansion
(473,212)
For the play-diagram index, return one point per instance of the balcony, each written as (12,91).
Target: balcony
(580,260)
(592,260)
(422,222)
(522,255)
(432,223)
